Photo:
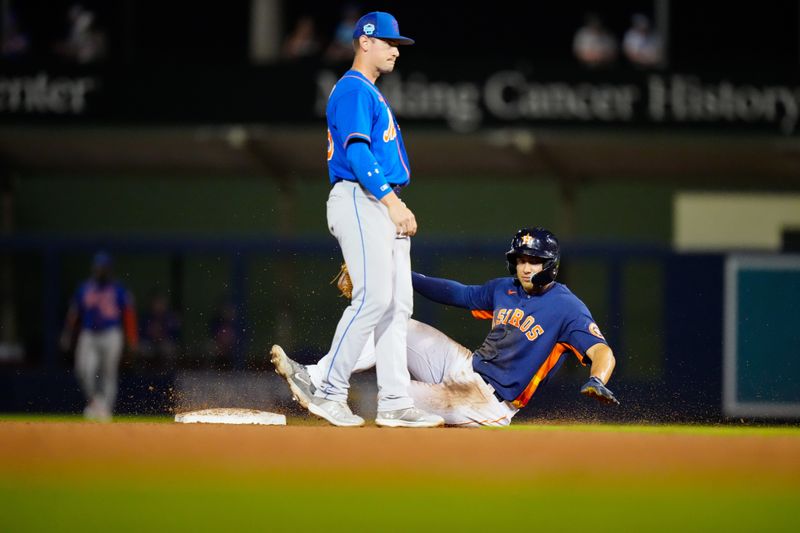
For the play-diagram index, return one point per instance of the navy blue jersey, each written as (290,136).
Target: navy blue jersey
(102,306)
(530,333)
(358,111)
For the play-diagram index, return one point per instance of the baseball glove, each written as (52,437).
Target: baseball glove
(343,282)
(594,388)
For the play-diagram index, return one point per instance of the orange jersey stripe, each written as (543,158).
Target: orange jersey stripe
(130,326)
(547,366)
(359,135)
(482,422)
(575,352)
(483,315)
(402,161)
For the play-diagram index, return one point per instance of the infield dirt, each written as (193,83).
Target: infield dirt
(139,449)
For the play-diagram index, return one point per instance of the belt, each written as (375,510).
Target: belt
(395,186)
(501,399)
(496,394)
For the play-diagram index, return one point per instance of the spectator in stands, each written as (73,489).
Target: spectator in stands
(85,42)
(224,334)
(641,45)
(594,45)
(341,46)
(105,310)
(160,333)
(302,42)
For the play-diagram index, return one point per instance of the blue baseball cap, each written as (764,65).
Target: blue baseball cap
(381,26)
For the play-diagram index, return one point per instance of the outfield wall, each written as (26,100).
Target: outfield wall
(661,311)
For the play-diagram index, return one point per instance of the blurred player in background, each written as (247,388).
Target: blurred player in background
(367,167)
(106,314)
(536,322)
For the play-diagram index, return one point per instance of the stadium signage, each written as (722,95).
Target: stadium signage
(492,98)
(41,94)
(687,99)
(508,97)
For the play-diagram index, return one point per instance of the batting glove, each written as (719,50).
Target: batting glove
(594,388)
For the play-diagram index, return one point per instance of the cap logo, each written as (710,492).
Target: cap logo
(527,240)
(369,29)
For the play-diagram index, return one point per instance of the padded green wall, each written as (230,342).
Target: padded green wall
(460,209)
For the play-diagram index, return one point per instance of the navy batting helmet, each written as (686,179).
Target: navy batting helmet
(536,242)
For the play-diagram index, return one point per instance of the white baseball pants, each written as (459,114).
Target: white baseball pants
(444,382)
(97,357)
(380,269)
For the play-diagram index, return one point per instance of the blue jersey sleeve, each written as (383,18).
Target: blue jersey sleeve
(445,291)
(366,169)
(353,117)
(581,332)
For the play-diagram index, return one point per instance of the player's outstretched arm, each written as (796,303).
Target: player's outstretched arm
(603,363)
(439,290)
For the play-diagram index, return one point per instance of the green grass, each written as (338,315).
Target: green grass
(272,504)
(688,429)
(213,498)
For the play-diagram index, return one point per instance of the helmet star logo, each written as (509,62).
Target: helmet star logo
(527,240)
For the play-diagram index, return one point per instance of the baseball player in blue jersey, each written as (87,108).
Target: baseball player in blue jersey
(536,323)
(367,167)
(106,313)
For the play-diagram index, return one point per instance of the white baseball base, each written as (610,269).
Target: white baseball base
(231,416)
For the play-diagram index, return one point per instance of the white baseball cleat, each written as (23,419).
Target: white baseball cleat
(337,413)
(408,418)
(97,410)
(90,412)
(295,375)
